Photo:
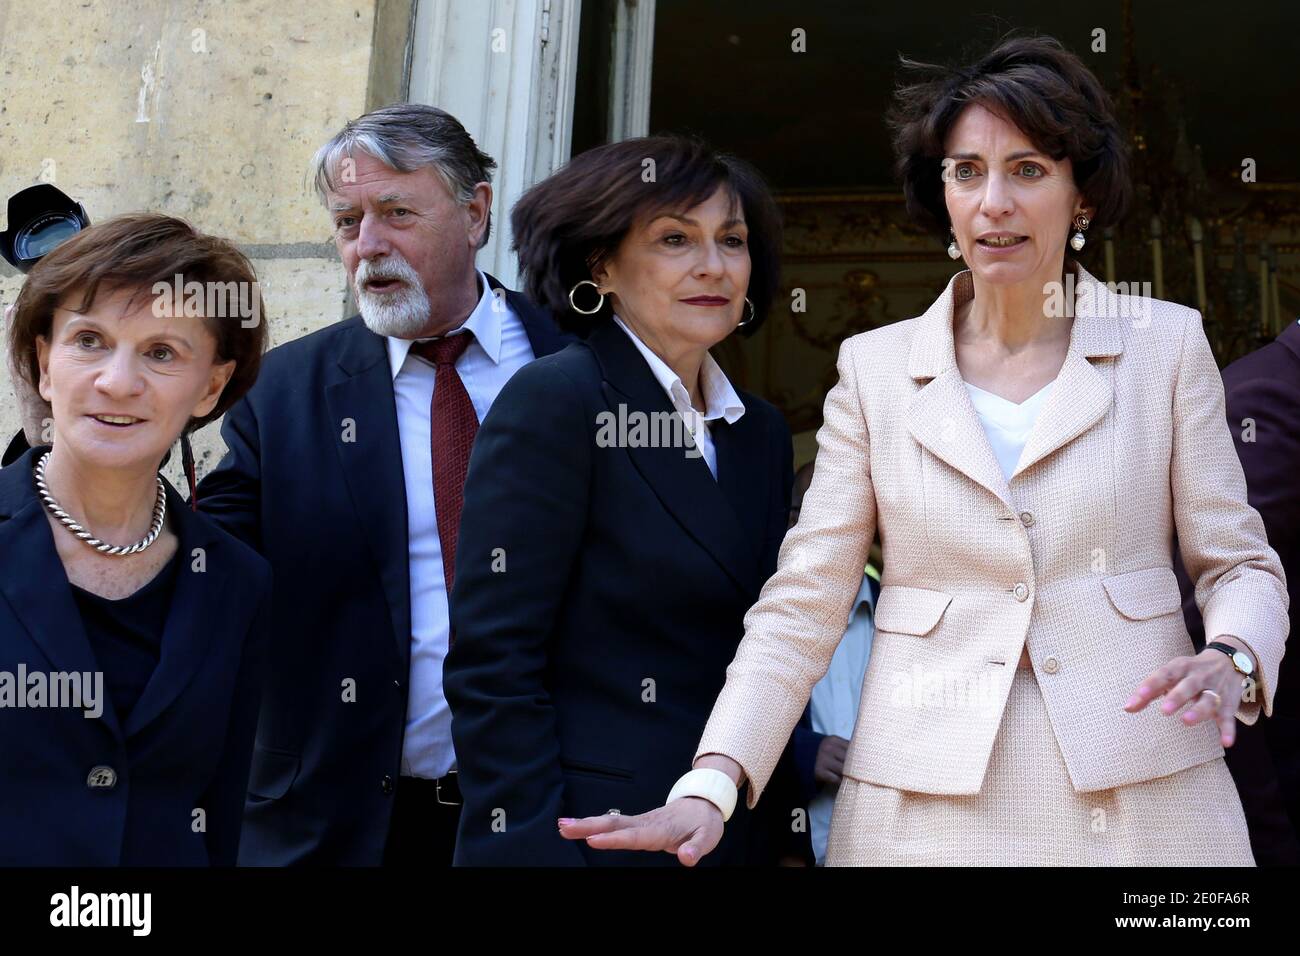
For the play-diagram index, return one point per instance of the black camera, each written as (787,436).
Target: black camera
(40,218)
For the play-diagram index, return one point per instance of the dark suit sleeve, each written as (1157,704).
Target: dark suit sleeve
(231,494)
(521,528)
(1270,461)
(224,798)
(1272,458)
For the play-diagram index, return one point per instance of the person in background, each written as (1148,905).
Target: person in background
(108,578)
(1263,408)
(603,578)
(346,469)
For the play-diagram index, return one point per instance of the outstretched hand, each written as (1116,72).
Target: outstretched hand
(689,827)
(1208,680)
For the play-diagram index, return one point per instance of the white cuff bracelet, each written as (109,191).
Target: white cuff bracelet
(708,784)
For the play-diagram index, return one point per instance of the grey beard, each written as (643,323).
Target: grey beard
(403,316)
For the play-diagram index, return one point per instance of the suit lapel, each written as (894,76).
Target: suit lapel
(1080,399)
(372,467)
(742,453)
(33,579)
(683,484)
(1083,392)
(942,418)
(199,613)
(940,415)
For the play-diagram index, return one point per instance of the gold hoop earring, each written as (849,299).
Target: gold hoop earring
(599,305)
(749,318)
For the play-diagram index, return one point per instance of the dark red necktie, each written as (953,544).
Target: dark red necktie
(453,426)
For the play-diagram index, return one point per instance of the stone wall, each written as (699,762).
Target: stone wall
(209,111)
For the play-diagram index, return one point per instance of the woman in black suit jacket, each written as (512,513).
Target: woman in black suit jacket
(131,628)
(606,558)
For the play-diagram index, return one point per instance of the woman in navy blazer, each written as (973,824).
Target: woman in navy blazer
(131,628)
(606,559)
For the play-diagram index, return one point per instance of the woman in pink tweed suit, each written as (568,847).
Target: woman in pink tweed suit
(1027,450)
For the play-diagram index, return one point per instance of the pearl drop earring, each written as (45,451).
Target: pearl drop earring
(1077,241)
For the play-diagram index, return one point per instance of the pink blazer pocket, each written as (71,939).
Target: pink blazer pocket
(905,610)
(1144,594)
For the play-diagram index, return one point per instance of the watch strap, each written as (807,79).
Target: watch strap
(1231,652)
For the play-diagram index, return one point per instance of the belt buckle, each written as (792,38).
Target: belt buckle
(438,792)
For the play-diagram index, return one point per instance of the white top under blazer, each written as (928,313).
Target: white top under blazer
(1007,424)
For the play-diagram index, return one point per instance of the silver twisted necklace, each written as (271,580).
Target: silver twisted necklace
(65,519)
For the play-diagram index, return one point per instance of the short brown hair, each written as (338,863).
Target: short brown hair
(1035,83)
(135,252)
(567,223)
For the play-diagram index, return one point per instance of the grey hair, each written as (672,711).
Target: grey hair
(407,137)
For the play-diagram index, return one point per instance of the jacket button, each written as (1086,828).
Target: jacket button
(1021,591)
(386,784)
(101,778)
(1051,665)
(1027,518)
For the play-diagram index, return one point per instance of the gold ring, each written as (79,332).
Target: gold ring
(1217,698)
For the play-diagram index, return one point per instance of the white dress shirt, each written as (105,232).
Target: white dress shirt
(1007,424)
(500,348)
(834,703)
(720,399)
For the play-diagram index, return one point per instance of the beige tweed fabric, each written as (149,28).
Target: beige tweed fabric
(1071,558)
(1029,814)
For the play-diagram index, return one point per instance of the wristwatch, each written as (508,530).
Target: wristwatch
(1240,659)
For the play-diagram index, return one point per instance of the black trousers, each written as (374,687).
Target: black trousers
(423,828)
